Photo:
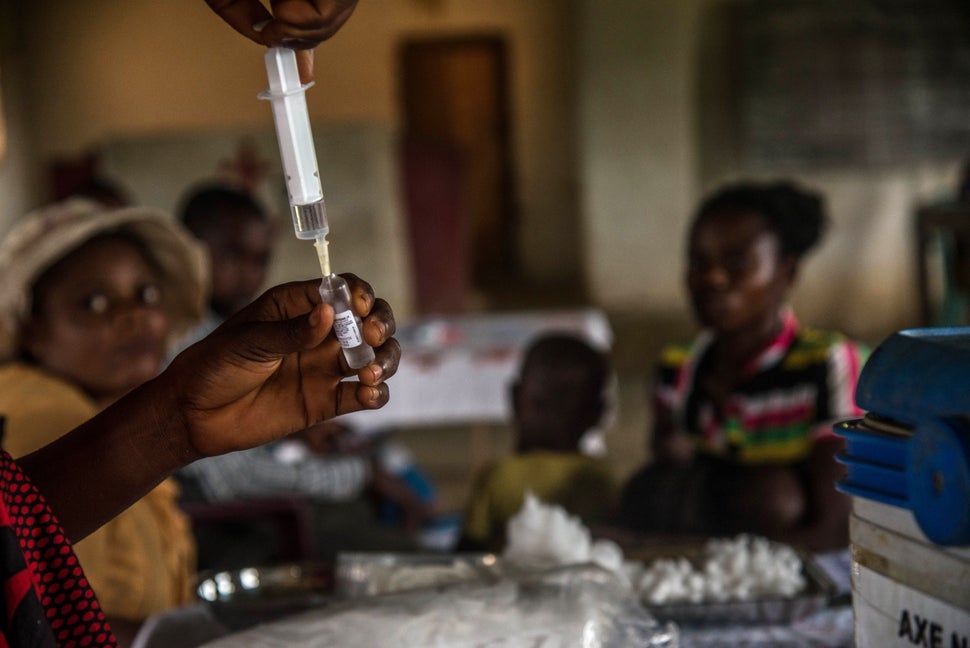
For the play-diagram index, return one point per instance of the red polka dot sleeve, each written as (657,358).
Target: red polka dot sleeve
(46,600)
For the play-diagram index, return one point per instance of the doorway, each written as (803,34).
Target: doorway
(455,107)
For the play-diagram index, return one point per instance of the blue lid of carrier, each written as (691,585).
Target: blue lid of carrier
(917,374)
(920,380)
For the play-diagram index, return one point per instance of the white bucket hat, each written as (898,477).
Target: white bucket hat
(48,234)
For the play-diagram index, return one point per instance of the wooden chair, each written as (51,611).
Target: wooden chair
(290,518)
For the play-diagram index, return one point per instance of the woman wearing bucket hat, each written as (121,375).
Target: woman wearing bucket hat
(90,299)
(272,369)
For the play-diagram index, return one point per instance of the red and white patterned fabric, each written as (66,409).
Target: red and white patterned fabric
(46,600)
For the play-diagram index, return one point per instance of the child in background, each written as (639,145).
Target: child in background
(238,235)
(559,396)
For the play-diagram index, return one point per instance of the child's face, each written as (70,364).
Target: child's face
(736,274)
(98,320)
(554,409)
(239,251)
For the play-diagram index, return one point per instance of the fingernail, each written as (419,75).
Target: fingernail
(374,394)
(378,371)
(260,25)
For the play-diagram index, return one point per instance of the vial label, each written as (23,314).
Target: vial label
(346,329)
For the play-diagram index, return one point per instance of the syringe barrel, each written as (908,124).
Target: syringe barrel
(287,97)
(310,221)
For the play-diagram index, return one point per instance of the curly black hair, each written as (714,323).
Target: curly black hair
(558,352)
(798,216)
(205,205)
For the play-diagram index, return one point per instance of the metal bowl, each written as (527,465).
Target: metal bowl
(244,597)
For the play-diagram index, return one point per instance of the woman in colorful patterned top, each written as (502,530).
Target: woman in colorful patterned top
(742,437)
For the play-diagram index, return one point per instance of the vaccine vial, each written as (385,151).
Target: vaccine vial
(346,324)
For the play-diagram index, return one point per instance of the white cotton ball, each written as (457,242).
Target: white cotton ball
(607,554)
(657,594)
(543,534)
(694,587)
(739,568)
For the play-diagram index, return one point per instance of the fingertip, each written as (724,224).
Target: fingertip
(371,395)
(365,303)
(376,371)
(316,316)
(321,316)
(381,330)
(304,63)
(371,374)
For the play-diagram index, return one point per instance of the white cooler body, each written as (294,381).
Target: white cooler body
(906,590)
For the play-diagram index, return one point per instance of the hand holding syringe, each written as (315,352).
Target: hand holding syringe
(303,187)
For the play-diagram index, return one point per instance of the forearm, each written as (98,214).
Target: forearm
(390,487)
(830,532)
(104,465)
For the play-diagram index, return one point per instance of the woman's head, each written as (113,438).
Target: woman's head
(744,249)
(97,317)
(94,294)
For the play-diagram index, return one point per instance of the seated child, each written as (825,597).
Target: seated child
(557,398)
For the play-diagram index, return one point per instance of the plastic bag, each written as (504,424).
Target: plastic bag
(579,605)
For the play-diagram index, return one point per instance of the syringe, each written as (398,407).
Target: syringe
(287,97)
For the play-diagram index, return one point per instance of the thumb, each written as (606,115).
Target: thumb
(304,63)
(274,339)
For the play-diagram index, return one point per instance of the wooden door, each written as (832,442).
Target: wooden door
(455,98)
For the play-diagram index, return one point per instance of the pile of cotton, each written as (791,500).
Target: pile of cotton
(545,535)
(738,569)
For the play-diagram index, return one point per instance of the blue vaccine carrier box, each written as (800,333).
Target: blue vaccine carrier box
(907,468)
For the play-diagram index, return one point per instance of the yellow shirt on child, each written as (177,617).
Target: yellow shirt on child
(579,483)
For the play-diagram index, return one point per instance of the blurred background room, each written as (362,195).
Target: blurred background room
(500,168)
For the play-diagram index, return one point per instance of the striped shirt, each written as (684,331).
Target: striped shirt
(801,381)
(272,471)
